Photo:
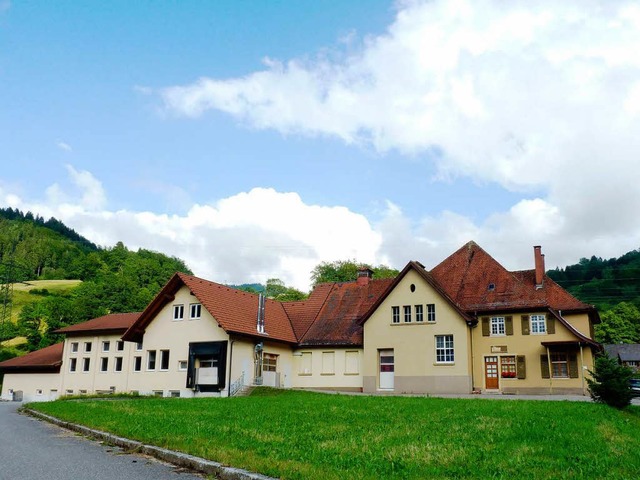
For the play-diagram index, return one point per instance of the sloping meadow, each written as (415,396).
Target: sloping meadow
(295,435)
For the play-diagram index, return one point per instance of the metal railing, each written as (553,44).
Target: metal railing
(237,385)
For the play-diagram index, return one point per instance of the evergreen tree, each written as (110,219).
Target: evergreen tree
(610,383)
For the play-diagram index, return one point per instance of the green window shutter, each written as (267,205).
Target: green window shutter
(485,327)
(508,325)
(573,365)
(521,368)
(525,324)
(544,366)
(551,325)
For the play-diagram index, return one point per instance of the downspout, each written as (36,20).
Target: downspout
(473,362)
(549,368)
(582,370)
(231,342)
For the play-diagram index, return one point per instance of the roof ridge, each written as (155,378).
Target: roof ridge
(317,315)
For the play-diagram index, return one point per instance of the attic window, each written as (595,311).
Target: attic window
(491,287)
(412,287)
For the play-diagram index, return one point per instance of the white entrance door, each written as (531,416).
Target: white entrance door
(386,369)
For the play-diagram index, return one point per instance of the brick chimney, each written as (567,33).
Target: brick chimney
(539,263)
(364,276)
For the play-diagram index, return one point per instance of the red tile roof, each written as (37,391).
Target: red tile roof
(236,311)
(338,321)
(467,275)
(46,359)
(114,322)
(303,313)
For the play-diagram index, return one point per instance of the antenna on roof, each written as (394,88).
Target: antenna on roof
(261,313)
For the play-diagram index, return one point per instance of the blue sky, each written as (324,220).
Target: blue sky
(256,139)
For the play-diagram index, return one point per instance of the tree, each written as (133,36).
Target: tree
(276,289)
(621,324)
(346,271)
(610,383)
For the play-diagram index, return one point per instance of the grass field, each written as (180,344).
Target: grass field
(295,435)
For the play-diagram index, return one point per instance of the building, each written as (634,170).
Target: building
(627,354)
(466,325)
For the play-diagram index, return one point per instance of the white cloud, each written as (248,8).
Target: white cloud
(64,146)
(532,96)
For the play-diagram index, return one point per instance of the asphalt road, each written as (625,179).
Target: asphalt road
(32,449)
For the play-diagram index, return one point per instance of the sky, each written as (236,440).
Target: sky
(257,139)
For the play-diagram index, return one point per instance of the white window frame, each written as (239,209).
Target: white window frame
(431,312)
(104,364)
(74,347)
(87,347)
(445,350)
(178,312)
(137,360)
(195,311)
(498,327)
(538,324)
(86,364)
(118,361)
(150,354)
(106,345)
(406,313)
(182,368)
(395,314)
(419,313)
(165,356)
(73,365)
(138,346)
(120,346)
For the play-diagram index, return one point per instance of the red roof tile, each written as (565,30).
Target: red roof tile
(337,322)
(302,314)
(236,311)
(113,322)
(467,275)
(45,359)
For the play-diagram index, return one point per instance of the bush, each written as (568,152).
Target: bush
(610,383)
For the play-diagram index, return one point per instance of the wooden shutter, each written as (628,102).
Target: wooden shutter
(508,325)
(521,367)
(573,365)
(551,325)
(544,366)
(525,324)
(486,328)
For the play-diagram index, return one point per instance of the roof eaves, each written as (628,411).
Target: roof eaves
(583,338)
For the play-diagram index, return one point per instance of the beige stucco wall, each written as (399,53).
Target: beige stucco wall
(337,378)
(416,370)
(80,382)
(35,387)
(530,346)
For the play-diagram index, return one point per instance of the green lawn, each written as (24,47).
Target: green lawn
(292,434)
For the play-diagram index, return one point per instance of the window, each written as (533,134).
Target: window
(174,393)
(106,345)
(328,363)
(269,362)
(157,393)
(39,391)
(407,313)
(419,313)
(195,309)
(139,347)
(83,392)
(151,360)
(538,324)
(431,312)
(351,363)
(164,359)
(87,346)
(118,365)
(178,312)
(104,364)
(68,391)
(182,365)
(444,349)
(74,347)
(137,364)
(305,364)
(73,364)
(86,363)
(120,346)
(395,314)
(508,367)
(559,365)
(497,326)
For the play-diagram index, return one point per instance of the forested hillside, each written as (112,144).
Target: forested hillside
(614,287)
(114,279)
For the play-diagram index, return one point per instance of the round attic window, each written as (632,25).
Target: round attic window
(412,287)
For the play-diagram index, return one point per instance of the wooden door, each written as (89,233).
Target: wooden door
(491,373)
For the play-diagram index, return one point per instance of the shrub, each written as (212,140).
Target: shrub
(610,383)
